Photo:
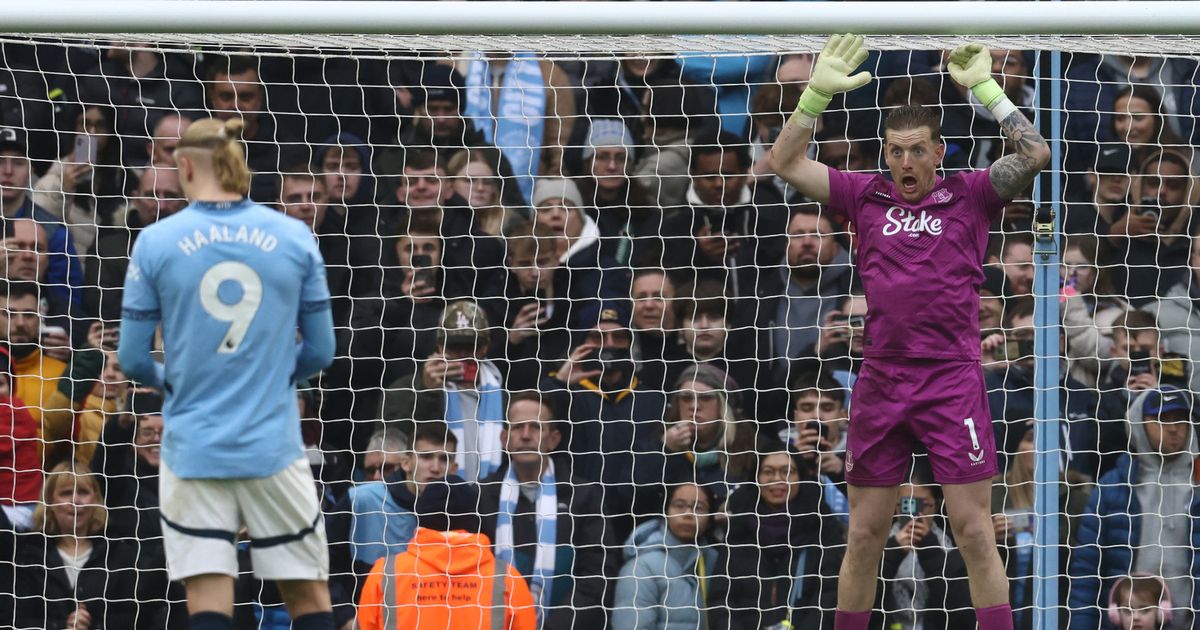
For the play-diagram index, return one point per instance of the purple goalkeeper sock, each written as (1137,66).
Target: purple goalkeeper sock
(995,617)
(843,620)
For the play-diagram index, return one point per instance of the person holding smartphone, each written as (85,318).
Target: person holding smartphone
(922,583)
(459,384)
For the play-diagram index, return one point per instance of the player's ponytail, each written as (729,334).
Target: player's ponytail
(229,160)
(223,140)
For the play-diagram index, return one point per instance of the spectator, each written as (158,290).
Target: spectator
(26,260)
(535,315)
(1134,365)
(127,462)
(705,437)
(1139,123)
(68,574)
(446,545)
(613,418)
(817,432)
(85,188)
(386,452)
(585,273)
(542,93)
(157,196)
(35,375)
(476,174)
(1093,84)
(233,90)
(734,227)
(303,197)
(64,272)
(1143,513)
(658,350)
(1081,271)
(1151,242)
(472,259)
(459,384)
(1140,601)
(20,462)
(533,507)
(784,547)
(1016,260)
(435,95)
(165,139)
(671,110)
(924,576)
(1175,309)
(378,517)
(1109,182)
(1015,522)
(843,335)
(144,86)
(671,566)
(627,223)
(92,388)
(768,114)
(792,303)
(1010,387)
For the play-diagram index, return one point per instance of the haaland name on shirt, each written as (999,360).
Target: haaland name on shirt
(223,234)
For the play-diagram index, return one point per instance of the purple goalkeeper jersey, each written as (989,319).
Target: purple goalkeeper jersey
(921,264)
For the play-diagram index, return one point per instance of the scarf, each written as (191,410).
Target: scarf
(909,586)
(547,531)
(478,441)
(517,124)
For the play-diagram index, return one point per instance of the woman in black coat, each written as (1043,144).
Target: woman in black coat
(68,575)
(785,547)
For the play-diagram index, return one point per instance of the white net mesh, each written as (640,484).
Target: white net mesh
(589,233)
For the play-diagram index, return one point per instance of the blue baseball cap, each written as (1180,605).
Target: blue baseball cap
(1165,399)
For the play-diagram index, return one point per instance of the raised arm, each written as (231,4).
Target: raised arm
(971,66)
(830,75)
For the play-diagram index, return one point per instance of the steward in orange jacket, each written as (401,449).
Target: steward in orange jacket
(448,577)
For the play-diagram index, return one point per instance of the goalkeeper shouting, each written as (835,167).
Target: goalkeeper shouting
(921,244)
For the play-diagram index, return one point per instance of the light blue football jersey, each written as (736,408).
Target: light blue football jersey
(229,282)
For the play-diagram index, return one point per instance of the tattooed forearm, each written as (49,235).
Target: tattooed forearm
(1013,173)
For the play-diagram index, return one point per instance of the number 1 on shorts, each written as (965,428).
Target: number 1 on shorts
(970,422)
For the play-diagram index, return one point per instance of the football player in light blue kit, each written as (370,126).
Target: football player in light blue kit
(231,282)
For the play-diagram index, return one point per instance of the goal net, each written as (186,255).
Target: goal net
(563,270)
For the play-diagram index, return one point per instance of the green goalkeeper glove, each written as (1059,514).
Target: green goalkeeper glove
(971,67)
(831,74)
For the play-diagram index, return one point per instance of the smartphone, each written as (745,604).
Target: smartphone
(85,148)
(820,429)
(53,330)
(423,270)
(1139,362)
(714,219)
(858,321)
(1009,351)
(1022,520)
(470,370)
(545,305)
(1149,208)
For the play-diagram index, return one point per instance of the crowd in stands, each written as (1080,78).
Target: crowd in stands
(572,297)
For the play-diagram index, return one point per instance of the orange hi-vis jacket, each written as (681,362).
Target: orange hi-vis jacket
(445,581)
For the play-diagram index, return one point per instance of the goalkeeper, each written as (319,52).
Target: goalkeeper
(921,244)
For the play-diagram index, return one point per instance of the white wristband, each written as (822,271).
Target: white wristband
(1002,108)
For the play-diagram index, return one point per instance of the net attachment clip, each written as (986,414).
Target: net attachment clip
(1045,245)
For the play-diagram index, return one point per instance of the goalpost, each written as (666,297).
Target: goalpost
(582,36)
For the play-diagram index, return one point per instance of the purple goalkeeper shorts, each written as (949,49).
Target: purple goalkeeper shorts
(942,404)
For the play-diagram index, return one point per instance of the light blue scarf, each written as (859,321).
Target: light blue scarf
(518,129)
(547,532)
(489,420)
